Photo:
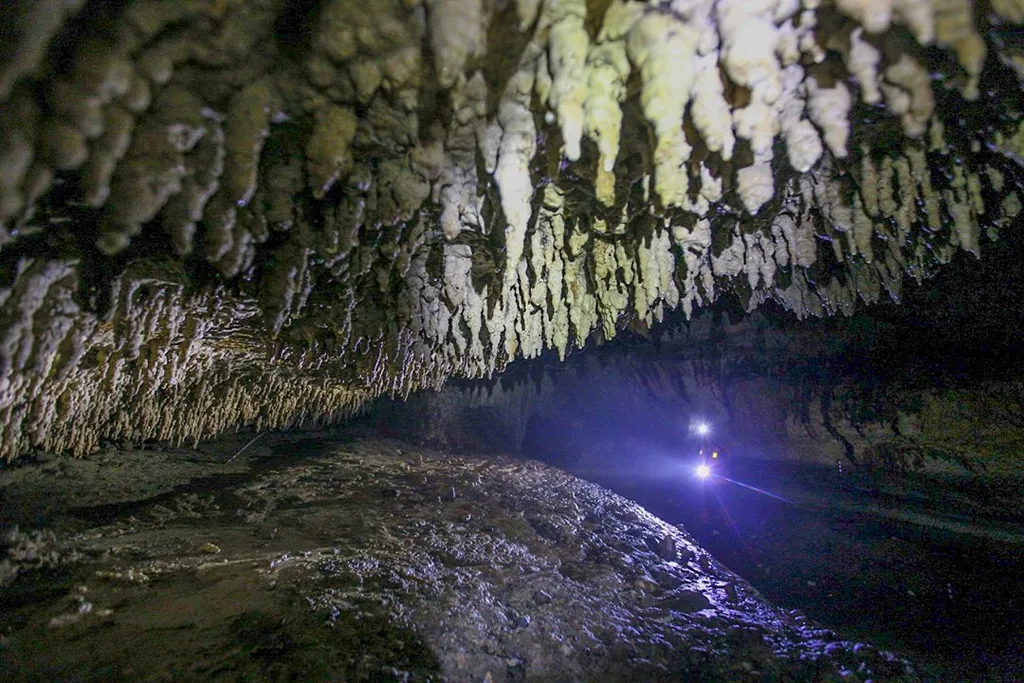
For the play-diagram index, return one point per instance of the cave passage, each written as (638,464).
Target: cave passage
(320,319)
(916,542)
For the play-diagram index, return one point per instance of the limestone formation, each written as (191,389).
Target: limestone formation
(265,212)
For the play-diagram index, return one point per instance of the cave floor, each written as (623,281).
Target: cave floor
(929,568)
(333,557)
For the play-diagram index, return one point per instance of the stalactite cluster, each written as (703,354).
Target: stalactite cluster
(161,364)
(219,213)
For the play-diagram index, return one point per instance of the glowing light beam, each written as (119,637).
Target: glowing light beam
(752,488)
(703,471)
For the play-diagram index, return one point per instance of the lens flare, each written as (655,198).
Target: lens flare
(703,429)
(703,471)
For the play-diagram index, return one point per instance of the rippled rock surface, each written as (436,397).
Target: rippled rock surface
(343,558)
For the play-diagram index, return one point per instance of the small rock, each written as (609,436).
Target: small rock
(645,584)
(667,549)
(812,584)
(686,601)
(541,597)
(523,621)
(64,620)
(209,548)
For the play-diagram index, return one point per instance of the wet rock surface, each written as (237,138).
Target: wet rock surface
(351,558)
(915,569)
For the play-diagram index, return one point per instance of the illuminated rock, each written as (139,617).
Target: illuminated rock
(383,195)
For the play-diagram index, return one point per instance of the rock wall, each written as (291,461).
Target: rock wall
(814,394)
(264,212)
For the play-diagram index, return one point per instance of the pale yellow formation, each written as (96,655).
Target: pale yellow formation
(548,267)
(607,69)
(862,59)
(755,184)
(657,45)
(954,27)
(516,146)
(394,193)
(527,11)
(829,109)
(327,153)
(145,180)
(710,111)
(567,54)
(203,168)
(863,231)
(919,17)
(877,15)
(729,263)
(908,94)
(695,244)
(31,27)
(1011,10)
(749,38)
(454,185)
(803,145)
(458,261)
(873,15)
(962,201)
(457,34)
(656,287)
(247,127)
(612,294)
(228,244)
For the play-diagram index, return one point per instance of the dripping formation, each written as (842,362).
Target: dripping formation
(209,221)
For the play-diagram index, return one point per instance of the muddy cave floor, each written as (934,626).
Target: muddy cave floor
(342,556)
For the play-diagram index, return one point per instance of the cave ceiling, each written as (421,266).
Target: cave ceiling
(268,212)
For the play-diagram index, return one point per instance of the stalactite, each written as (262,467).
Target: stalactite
(406,194)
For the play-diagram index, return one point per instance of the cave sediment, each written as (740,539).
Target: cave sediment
(374,560)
